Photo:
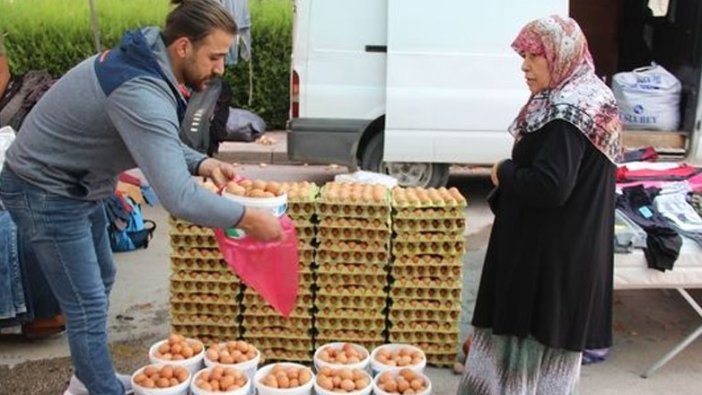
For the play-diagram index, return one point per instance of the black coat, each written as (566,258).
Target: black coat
(549,264)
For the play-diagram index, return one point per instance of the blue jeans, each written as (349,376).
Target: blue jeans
(12,301)
(70,240)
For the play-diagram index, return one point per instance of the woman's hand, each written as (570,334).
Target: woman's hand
(220,172)
(493,173)
(261,225)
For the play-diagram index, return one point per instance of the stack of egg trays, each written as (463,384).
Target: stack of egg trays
(204,292)
(288,339)
(279,338)
(352,260)
(426,275)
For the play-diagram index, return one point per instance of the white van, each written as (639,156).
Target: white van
(409,87)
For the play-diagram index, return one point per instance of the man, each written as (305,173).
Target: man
(114,111)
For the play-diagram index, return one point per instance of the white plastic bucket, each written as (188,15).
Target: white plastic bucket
(180,389)
(249,367)
(195,390)
(377,367)
(305,389)
(378,391)
(193,364)
(365,391)
(363,365)
(276,205)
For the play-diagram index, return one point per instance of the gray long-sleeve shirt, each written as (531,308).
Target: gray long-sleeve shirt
(77,140)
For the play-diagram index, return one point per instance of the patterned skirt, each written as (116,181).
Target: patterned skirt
(508,365)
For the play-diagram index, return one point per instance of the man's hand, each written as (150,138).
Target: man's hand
(261,225)
(220,172)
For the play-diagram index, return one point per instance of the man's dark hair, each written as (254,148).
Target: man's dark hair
(195,19)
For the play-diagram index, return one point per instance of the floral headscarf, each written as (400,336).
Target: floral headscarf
(575,93)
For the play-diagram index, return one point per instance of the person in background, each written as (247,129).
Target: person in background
(114,111)
(546,288)
(4,69)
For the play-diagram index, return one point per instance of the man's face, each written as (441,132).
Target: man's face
(205,60)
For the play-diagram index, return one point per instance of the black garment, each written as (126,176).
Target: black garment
(662,241)
(549,264)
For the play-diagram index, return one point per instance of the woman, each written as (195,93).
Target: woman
(546,287)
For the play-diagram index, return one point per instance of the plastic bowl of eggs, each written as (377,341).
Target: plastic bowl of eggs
(393,357)
(284,379)
(341,355)
(179,351)
(234,354)
(219,380)
(268,195)
(403,382)
(345,380)
(165,379)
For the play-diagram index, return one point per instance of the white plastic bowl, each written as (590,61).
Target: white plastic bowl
(193,364)
(264,390)
(378,391)
(276,205)
(365,391)
(249,367)
(363,364)
(377,367)
(195,390)
(180,389)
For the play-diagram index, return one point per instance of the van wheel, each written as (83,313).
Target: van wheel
(408,174)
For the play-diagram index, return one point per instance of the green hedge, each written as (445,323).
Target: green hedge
(56,35)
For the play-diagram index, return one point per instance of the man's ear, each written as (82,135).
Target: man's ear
(182,46)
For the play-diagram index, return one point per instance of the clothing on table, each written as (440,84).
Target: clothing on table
(662,241)
(680,214)
(549,264)
(530,367)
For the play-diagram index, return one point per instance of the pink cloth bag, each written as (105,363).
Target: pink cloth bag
(271,268)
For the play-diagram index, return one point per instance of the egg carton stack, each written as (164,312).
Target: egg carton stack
(352,259)
(204,292)
(288,339)
(426,273)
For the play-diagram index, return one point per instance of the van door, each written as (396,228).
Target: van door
(453,83)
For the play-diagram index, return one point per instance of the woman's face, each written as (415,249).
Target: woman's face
(535,68)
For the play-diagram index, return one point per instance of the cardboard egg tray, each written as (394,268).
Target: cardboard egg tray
(423,293)
(229,299)
(208,332)
(301,191)
(199,264)
(424,337)
(424,315)
(353,336)
(250,333)
(371,312)
(441,360)
(254,305)
(425,282)
(350,268)
(188,252)
(323,323)
(259,322)
(354,193)
(428,213)
(301,209)
(428,237)
(186,229)
(305,243)
(189,286)
(285,355)
(348,211)
(439,348)
(352,290)
(305,345)
(425,304)
(428,260)
(205,276)
(194,241)
(427,197)
(378,280)
(371,303)
(355,223)
(355,246)
(332,234)
(204,308)
(426,271)
(433,248)
(333,256)
(205,319)
(423,326)
(411,225)
(300,311)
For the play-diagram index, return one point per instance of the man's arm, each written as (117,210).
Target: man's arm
(4,71)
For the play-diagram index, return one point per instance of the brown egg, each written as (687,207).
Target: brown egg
(235,189)
(256,193)
(259,184)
